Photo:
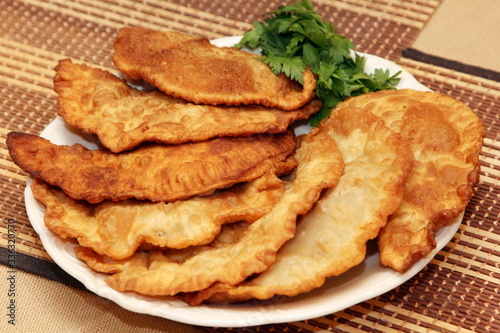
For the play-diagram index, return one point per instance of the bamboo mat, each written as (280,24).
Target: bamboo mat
(457,292)
(473,47)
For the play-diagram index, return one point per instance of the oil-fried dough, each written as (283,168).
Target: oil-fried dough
(240,250)
(98,102)
(197,71)
(446,138)
(117,229)
(331,238)
(153,172)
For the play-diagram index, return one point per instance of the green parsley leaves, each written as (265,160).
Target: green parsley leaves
(295,37)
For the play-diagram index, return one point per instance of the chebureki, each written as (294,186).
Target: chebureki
(118,229)
(98,102)
(331,237)
(195,70)
(203,191)
(240,250)
(152,172)
(445,137)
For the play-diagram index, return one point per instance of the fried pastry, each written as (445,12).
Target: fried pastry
(331,238)
(195,70)
(445,137)
(117,229)
(239,250)
(98,102)
(153,172)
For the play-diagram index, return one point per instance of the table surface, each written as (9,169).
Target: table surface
(458,291)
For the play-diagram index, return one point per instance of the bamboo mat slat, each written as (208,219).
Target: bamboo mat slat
(457,292)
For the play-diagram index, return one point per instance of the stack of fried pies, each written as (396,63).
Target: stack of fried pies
(203,191)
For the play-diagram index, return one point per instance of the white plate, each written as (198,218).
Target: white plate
(361,283)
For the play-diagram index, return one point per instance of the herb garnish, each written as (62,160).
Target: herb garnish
(294,37)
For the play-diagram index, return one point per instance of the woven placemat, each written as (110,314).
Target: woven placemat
(467,33)
(456,292)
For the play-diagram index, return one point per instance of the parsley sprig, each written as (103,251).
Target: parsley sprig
(294,37)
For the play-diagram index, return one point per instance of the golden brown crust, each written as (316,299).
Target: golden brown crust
(331,238)
(118,229)
(98,102)
(446,138)
(240,250)
(153,172)
(197,71)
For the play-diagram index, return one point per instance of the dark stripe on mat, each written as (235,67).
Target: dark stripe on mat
(450,64)
(47,269)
